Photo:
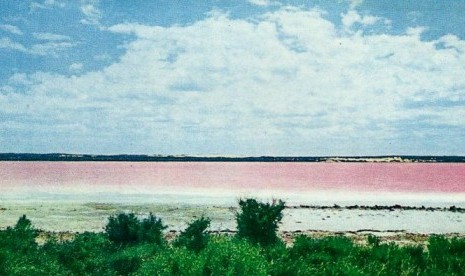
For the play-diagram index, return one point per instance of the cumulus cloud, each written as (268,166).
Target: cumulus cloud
(289,83)
(10,28)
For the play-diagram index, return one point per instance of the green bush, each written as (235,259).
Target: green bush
(258,221)
(326,256)
(128,260)
(20,254)
(231,256)
(20,238)
(391,259)
(222,256)
(332,247)
(126,229)
(174,261)
(194,237)
(277,256)
(373,240)
(86,254)
(446,255)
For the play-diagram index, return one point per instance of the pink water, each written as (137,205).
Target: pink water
(178,176)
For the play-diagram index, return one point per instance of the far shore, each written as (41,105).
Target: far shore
(193,158)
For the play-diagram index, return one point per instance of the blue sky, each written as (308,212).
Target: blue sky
(258,77)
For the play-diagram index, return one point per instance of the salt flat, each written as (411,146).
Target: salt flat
(90,213)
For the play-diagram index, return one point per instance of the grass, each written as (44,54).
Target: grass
(93,254)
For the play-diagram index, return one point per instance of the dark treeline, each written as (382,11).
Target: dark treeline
(172,158)
(135,245)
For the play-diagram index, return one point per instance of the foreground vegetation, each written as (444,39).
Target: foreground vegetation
(135,245)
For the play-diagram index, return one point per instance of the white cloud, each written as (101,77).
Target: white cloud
(263,3)
(352,17)
(92,14)
(355,3)
(289,82)
(7,43)
(50,36)
(12,29)
(53,48)
(76,67)
(47,4)
(50,48)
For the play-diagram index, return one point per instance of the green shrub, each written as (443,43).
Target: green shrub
(373,240)
(391,259)
(258,222)
(151,230)
(24,234)
(230,256)
(322,250)
(334,247)
(21,238)
(446,256)
(86,254)
(278,259)
(174,261)
(322,256)
(128,260)
(222,256)
(194,237)
(127,229)
(20,254)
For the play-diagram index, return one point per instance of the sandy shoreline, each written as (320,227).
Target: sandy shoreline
(79,216)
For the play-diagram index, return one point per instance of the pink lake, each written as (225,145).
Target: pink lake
(229,177)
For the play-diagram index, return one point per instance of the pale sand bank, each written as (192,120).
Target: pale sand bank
(80,214)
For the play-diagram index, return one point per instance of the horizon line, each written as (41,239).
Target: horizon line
(223,158)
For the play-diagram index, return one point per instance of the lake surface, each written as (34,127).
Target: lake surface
(297,182)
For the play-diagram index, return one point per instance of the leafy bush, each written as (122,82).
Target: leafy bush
(373,240)
(326,256)
(127,229)
(86,254)
(174,261)
(278,258)
(328,248)
(230,256)
(446,255)
(391,259)
(258,222)
(128,260)
(194,237)
(222,256)
(20,254)
(21,237)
